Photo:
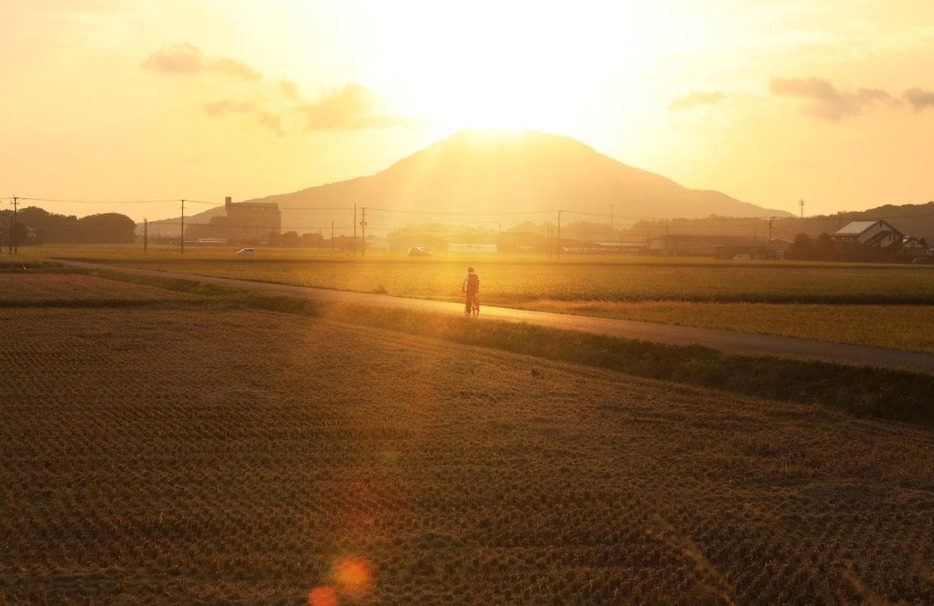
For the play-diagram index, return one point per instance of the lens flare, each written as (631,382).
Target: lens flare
(353,575)
(350,576)
(322,596)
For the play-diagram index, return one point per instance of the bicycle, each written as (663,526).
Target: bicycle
(472,308)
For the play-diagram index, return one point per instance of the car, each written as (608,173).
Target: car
(246,251)
(418,251)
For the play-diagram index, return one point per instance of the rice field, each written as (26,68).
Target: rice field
(177,453)
(869,304)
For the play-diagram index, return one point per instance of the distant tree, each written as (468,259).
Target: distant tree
(529,227)
(313,239)
(824,247)
(586,230)
(23,234)
(107,228)
(802,247)
(50,227)
(290,238)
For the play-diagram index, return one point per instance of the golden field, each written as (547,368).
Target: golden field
(868,304)
(157,449)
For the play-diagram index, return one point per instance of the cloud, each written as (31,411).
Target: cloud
(271,121)
(695,99)
(278,106)
(186,59)
(229,106)
(176,59)
(919,99)
(289,89)
(232,67)
(828,102)
(352,107)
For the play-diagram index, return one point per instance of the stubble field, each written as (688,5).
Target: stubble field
(167,451)
(884,305)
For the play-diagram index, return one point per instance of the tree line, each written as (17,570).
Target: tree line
(33,225)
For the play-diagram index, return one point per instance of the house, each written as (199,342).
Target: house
(923,252)
(913,248)
(869,239)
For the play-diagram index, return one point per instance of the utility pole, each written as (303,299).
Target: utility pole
(363,232)
(355,230)
(801,202)
(770,232)
(145,234)
(14,245)
(558,251)
(183,227)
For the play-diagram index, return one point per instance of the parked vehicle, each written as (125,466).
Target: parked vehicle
(418,251)
(246,251)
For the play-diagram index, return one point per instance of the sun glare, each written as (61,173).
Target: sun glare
(497,64)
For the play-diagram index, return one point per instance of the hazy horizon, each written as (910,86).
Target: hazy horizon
(122,106)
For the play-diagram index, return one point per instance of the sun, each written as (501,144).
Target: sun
(495,64)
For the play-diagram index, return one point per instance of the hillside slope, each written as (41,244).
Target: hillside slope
(498,173)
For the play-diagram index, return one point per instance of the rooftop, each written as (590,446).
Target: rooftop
(855,228)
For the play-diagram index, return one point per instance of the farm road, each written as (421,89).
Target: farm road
(722,340)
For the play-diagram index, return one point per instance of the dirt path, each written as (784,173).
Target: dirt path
(726,341)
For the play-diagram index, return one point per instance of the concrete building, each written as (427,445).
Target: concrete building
(242,222)
(252,220)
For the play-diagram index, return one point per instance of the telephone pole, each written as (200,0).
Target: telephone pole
(558,251)
(183,227)
(801,202)
(14,245)
(770,232)
(363,232)
(354,230)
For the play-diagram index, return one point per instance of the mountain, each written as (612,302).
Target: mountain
(504,177)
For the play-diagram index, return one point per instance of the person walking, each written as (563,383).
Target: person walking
(471,286)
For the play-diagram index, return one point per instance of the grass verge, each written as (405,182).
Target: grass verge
(862,391)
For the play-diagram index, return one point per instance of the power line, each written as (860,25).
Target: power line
(64,201)
(460,214)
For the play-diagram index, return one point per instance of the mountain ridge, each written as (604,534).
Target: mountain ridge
(498,173)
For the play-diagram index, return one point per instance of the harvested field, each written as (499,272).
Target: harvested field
(184,454)
(48,289)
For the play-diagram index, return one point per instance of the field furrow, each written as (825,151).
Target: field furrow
(186,454)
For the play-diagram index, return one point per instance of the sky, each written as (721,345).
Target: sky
(131,106)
